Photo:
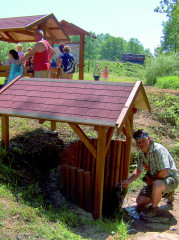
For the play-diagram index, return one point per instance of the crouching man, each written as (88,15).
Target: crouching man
(161,174)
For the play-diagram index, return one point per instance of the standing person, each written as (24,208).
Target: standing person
(64,61)
(161,174)
(61,47)
(105,74)
(16,69)
(20,50)
(43,53)
(29,64)
(96,73)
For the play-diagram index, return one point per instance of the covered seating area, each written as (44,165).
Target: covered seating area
(21,29)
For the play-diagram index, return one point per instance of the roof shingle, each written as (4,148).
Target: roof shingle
(85,102)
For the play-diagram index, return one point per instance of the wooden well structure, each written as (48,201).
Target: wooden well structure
(21,29)
(105,106)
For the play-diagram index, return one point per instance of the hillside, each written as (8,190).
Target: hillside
(23,211)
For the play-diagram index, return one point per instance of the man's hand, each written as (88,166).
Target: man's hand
(125,183)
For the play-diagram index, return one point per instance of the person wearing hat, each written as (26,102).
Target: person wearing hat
(161,174)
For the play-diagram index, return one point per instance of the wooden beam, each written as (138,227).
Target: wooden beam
(108,138)
(128,128)
(99,178)
(5,130)
(9,84)
(84,138)
(81,57)
(53,125)
(128,147)
(41,121)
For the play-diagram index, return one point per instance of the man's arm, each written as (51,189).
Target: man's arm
(32,52)
(160,174)
(136,174)
(52,53)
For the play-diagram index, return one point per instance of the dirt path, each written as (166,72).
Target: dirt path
(164,226)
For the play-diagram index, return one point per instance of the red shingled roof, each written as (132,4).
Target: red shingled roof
(75,101)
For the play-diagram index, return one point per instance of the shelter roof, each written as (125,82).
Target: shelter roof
(71,29)
(21,29)
(72,101)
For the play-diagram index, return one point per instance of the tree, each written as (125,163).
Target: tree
(170,39)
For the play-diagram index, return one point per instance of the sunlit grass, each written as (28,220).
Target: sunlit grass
(112,78)
(2,79)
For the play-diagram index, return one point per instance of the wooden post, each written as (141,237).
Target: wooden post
(99,179)
(53,126)
(128,146)
(113,164)
(87,191)
(118,162)
(68,182)
(80,187)
(81,57)
(63,179)
(5,130)
(73,184)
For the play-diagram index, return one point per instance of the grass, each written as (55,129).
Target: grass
(112,78)
(2,79)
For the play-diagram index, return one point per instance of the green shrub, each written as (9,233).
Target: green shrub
(163,65)
(170,82)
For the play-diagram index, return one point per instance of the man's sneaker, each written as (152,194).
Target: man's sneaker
(149,213)
(170,197)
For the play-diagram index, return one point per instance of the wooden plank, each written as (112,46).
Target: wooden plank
(4,74)
(128,147)
(128,128)
(79,154)
(80,180)
(118,162)
(73,184)
(5,130)
(87,191)
(53,125)
(93,165)
(99,179)
(113,163)
(81,57)
(83,138)
(63,179)
(108,138)
(68,182)
(121,170)
(5,68)
(106,175)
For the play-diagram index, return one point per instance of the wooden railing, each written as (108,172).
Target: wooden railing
(4,72)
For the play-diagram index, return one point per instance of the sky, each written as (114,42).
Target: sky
(120,18)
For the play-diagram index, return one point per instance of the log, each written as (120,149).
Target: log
(80,173)
(87,191)
(73,184)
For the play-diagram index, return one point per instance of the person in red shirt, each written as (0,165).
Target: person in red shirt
(42,54)
(105,74)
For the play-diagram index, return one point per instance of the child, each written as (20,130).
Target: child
(15,69)
(96,73)
(29,64)
(105,74)
(19,49)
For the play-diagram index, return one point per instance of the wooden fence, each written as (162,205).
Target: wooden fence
(78,171)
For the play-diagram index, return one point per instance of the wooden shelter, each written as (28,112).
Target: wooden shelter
(21,29)
(104,105)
